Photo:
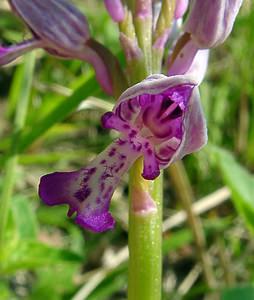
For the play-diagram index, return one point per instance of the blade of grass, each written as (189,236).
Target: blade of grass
(12,158)
(59,113)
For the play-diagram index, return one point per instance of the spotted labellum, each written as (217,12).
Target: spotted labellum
(159,119)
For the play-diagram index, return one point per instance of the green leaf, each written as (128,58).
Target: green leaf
(238,293)
(59,113)
(24,217)
(31,254)
(55,283)
(241,184)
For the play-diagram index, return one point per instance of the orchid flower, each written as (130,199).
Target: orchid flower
(61,29)
(159,119)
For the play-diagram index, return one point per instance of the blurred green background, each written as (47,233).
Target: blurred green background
(46,255)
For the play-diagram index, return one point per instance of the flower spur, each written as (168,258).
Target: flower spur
(159,119)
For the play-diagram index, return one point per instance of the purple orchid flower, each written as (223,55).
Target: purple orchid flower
(62,30)
(159,119)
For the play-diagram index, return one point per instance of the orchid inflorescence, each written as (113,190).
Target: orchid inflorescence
(160,118)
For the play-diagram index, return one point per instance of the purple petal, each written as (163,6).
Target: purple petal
(115,9)
(89,190)
(58,23)
(184,59)
(180,9)
(151,167)
(190,61)
(198,67)
(9,54)
(154,85)
(64,32)
(195,133)
(210,22)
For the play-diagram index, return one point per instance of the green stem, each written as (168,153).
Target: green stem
(145,227)
(9,170)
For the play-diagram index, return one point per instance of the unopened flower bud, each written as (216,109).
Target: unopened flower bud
(115,9)
(180,8)
(210,22)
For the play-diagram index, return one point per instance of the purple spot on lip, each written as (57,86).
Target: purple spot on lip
(86,178)
(121,165)
(121,142)
(149,151)
(139,147)
(102,186)
(112,152)
(92,171)
(132,134)
(83,193)
(126,126)
(102,162)
(122,156)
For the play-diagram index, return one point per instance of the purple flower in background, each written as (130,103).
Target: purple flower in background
(56,26)
(159,119)
(62,30)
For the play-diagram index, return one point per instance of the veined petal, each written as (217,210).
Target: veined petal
(210,22)
(88,191)
(190,61)
(9,54)
(63,31)
(184,59)
(195,131)
(57,22)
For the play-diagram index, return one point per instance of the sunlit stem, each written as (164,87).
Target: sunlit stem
(145,208)
(9,169)
(145,215)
